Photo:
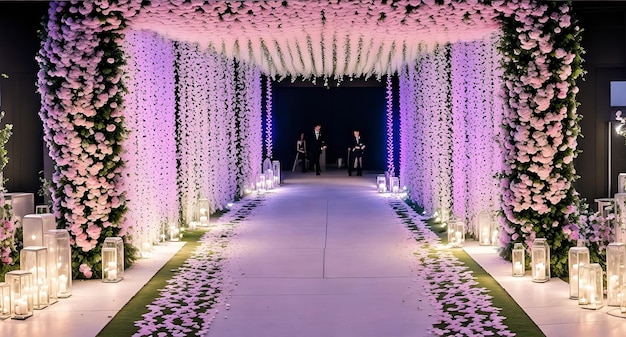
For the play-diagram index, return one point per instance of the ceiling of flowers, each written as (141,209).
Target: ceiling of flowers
(320,38)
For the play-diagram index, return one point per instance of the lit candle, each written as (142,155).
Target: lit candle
(458,236)
(518,268)
(62,283)
(112,274)
(21,307)
(540,271)
(485,236)
(613,282)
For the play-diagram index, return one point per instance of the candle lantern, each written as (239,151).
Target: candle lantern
(35,225)
(519,260)
(203,212)
(269,179)
(34,259)
(21,297)
(456,233)
(174,232)
(260,183)
(615,263)
(619,224)
(395,185)
(112,259)
(540,260)
(495,234)
(577,257)
(52,281)
(381,183)
(60,262)
(276,170)
(485,223)
(590,290)
(5,300)
(42,209)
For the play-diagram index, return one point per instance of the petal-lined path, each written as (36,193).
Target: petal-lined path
(324,256)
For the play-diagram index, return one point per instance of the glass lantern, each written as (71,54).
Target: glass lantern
(260,183)
(540,260)
(590,290)
(519,260)
(269,179)
(5,300)
(577,257)
(112,259)
(60,263)
(395,185)
(174,232)
(203,212)
(456,233)
(620,217)
(34,259)
(381,183)
(35,225)
(21,297)
(276,170)
(485,223)
(615,262)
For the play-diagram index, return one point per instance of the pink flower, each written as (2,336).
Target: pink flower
(85,270)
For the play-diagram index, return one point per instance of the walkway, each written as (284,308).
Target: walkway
(324,256)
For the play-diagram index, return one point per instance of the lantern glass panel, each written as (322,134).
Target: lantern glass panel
(590,287)
(485,223)
(34,226)
(21,297)
(577,257)
(519,260)
(456,233)
(620,217)
(381,183)
(203,212)
(395,185)
(60,261)
(615,263)
(113,259)
(35,260)
(540,260)
(174,233)
(5,300)
(276,170)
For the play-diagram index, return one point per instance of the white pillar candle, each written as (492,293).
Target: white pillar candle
(518,268)
(112,274)
(62,283)
(21,307)
(540,271)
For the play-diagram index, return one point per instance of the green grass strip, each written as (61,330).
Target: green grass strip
(123,323)
(515,317)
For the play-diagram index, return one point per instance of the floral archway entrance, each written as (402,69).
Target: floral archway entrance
(118,75)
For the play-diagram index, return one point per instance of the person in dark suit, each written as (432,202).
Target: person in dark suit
(317,145)
(356,153)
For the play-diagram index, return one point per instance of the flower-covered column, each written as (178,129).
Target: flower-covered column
(81,97)
(541,50)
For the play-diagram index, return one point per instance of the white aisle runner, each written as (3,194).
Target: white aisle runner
(323,256)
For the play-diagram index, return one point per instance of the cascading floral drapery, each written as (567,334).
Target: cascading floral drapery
(81,69)
(541,60)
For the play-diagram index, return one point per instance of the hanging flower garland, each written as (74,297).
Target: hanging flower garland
(8,252)
(150,104)
(268,119)
(542,58)
(389,97)
(81,96)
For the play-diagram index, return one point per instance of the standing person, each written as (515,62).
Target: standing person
(317,145)
(356,154)
(301,151)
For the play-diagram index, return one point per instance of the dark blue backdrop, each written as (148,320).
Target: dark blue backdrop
(359,104)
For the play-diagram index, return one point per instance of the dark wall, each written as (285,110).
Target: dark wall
(359,104)
(604,39)
(19,23)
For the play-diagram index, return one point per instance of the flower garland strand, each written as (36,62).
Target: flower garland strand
(268,119)
(541,60)
(390,160)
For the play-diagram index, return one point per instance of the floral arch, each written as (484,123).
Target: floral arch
(126,88)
